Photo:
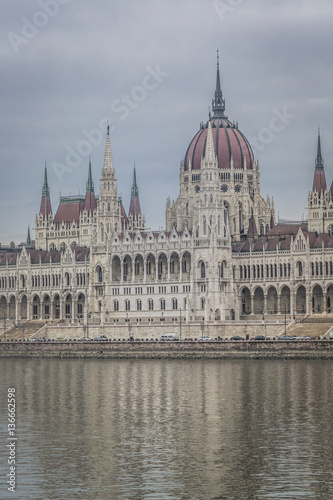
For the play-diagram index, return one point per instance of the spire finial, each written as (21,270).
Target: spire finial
(135,189)
(108,128)
(90,184)
(319,159)
(46,190)
(28,237)
(108,163)
(218,103)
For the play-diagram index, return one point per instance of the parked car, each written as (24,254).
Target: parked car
(260,337)
(205,339)
(285,337)
(236,337)
(169,336)
(84,339)
(41,339)
(305,337)
(100,337)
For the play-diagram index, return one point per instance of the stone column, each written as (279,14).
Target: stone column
(17,315)
(61,310)
(252,304)
(309,308)
(325,303)
(73,309)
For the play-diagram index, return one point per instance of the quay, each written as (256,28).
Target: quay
(154,349)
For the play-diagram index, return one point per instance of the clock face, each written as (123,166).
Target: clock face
(224,188)
(197,189)
(237,188)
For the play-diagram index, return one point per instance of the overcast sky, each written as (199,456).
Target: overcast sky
(148,66)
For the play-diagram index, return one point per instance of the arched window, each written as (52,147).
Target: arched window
(138,305)
(99,274)
(174,304)
(162,304)
(150,304)
(115,305)
(202,270)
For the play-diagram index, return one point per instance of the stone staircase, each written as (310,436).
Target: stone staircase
(24,331)
(314,326)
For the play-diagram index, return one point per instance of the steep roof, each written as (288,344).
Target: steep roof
(69,209)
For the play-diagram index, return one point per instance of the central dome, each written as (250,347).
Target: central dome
(229,142)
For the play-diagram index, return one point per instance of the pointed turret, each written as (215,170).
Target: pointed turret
(135,218)
(252,231)
(319,180)
(108,163)
(209,154)
(45,205)
(28,243)
(134,209)
(218,103)
(90,201)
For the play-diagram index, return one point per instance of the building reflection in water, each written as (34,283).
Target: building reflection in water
(171,429)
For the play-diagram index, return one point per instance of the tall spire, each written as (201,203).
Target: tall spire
(134,209)
(90,201)
(319,159)
(90,184)
(218,103)
(108,163)
(45,205)
(319,180)
(135,189)
(45,190)
(28,238)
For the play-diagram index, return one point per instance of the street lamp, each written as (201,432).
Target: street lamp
(129,330)
(180,323)
(202,326)
(264,318)
(4,326)
(285,320)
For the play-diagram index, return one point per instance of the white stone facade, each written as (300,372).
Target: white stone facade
(221,257)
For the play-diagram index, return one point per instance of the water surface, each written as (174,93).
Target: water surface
(170,429)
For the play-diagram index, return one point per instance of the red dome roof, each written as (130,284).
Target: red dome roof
(228,142)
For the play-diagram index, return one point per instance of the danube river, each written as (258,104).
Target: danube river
(169,429)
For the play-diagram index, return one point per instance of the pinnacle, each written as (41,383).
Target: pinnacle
(209,149)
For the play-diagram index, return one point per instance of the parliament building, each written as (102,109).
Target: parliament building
(221,258)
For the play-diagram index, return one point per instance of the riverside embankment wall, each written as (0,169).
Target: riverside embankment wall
(154,331)
(312,349)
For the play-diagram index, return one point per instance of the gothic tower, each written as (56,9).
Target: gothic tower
(44,219)
(320,204)
(136,221)
(109,208)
